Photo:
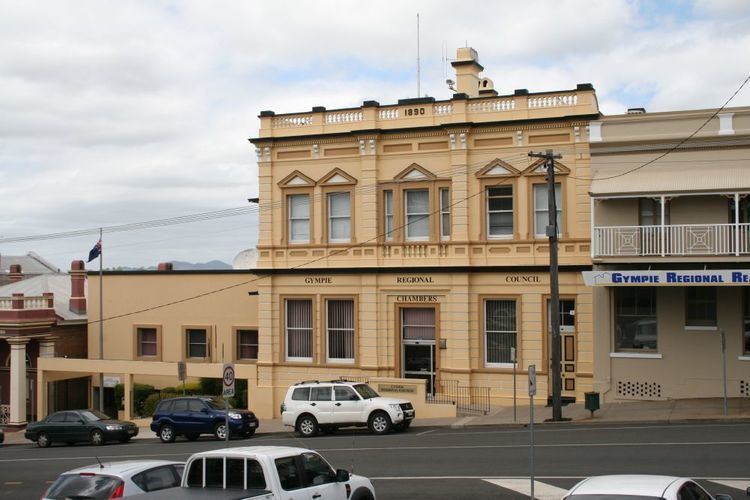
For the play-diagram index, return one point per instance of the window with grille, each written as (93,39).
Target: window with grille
(339,218)
(500,331)
(299,330)
(500,212)
(247,344)
(340,327)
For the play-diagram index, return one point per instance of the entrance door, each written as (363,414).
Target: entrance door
(418,344)
(568,346)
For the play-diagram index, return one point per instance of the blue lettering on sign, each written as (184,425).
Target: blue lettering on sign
(739,277)
(637,278)
(695,278)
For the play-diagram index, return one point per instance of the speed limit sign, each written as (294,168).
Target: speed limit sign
(227,380)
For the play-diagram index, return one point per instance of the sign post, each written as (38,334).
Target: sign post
(724,366)
(532,393)
(227,384)
(513,358)
(182,374)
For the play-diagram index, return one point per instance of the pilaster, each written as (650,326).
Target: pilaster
(17,381)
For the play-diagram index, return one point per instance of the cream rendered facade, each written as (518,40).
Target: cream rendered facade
(388,211)
(659,336)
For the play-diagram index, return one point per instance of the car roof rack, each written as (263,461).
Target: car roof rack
(308,382)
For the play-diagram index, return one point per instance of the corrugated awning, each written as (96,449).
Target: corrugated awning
(664,177)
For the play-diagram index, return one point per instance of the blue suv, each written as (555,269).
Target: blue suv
(193,416)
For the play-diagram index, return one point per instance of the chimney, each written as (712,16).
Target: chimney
(164,266)
(16,273)
(467,72)
(77,302)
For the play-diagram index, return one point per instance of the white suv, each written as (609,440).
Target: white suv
(312,406)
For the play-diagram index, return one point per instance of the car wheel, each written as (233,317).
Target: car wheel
(362,494)
(307,426)
(248,434)
(220,431)
(42,440)
(166,434)
(97,437)
(379,422)
(192,437)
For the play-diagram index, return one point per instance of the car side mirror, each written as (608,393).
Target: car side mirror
(342,475)
(204,410)
(723,497)
(81,422)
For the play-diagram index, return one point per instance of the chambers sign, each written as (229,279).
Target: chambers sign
(667,278)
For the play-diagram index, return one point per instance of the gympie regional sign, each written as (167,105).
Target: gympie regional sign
(667,278)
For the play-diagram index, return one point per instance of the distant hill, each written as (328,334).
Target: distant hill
(179,265)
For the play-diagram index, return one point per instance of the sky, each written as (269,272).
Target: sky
(115,112)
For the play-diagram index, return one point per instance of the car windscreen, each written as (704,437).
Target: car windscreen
(82,486)
(93,415)
(366,391)
(216,404)
(611,497)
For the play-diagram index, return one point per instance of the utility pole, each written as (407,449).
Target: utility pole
(554,283)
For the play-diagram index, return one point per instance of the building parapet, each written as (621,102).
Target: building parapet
(427,112)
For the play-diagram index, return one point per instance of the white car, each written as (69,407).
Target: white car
(312,406)
(632,487)
(116,479)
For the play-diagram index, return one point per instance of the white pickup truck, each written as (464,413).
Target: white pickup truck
(265,472)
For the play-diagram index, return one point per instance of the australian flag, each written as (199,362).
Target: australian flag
(96,251)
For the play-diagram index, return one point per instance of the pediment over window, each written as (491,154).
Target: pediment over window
(498,168)
(296,179)
(414,172)
(337,177)
(539,168)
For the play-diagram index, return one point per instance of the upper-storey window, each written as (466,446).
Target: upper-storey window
(541,209)
(445,213)
(388,214)
(417,214)
(299,218)
(339,217)
(500,212)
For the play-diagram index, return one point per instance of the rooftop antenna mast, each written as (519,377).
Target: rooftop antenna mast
(419,88)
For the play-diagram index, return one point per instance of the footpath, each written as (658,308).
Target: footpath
(631,412)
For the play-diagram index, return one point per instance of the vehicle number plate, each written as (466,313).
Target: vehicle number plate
(251,424)
(131,431)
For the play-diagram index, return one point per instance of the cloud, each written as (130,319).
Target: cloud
(115,112)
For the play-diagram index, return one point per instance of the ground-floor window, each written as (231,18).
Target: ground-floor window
(500,331)
(635,318)
(299,330)
(340,328)
(700,306)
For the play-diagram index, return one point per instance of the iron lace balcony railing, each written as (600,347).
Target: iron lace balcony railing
(672,240)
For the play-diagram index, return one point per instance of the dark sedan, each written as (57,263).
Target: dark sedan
(75,426)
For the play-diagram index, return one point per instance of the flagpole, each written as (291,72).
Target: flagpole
(101,323)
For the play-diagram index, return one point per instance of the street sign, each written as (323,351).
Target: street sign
(227,380)
(181,371)
(532,380)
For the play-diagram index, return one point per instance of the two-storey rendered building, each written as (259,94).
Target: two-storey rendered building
(408,240)
(670,246)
